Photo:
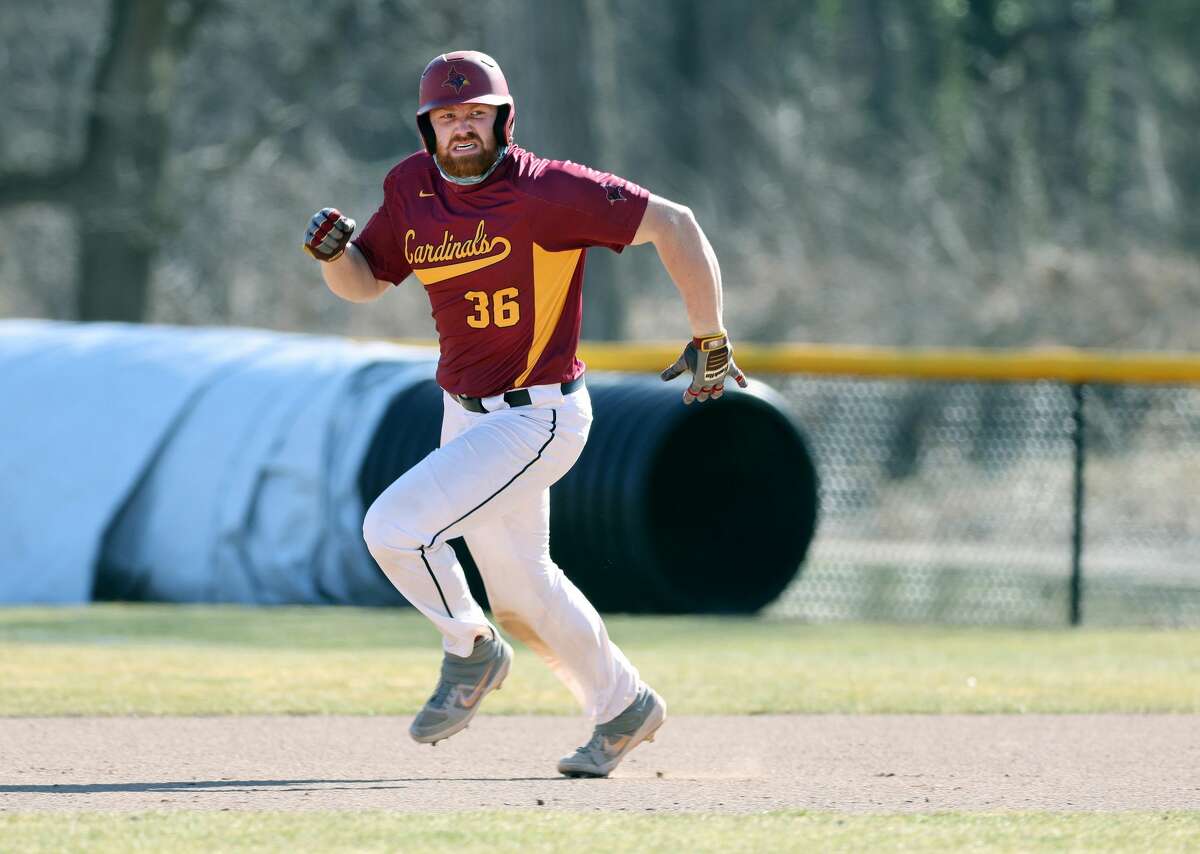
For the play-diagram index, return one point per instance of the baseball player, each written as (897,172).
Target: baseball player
(497,237)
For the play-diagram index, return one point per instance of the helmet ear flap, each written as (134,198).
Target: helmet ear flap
(425,126)
(503,133)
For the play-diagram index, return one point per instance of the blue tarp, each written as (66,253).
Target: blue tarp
(188,464)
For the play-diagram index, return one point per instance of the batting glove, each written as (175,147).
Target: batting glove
(328,234)
(710,359)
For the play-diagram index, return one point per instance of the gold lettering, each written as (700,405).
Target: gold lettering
(448,249)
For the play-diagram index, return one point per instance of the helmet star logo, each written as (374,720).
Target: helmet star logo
(614,194)
(456,80)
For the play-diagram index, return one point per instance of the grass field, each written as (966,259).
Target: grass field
(528,832)
(165,660)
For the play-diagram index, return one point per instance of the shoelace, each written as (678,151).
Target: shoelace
(441,694)
(596,742)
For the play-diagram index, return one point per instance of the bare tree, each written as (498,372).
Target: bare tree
(114,188)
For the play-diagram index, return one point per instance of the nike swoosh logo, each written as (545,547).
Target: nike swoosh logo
(469,700)
(618,743)
(433,275)
(424,195)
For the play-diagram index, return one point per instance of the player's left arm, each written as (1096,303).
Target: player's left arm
(689,259)
(692,264)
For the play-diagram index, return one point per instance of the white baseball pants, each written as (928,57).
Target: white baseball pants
(489,482)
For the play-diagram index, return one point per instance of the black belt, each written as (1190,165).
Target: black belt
(520,397)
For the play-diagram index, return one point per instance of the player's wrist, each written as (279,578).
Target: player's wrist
(710,340)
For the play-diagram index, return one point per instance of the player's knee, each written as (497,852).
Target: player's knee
(383,536)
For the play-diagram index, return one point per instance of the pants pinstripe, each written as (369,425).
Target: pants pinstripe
(489,482)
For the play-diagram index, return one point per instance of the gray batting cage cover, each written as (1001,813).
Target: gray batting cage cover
(136,462)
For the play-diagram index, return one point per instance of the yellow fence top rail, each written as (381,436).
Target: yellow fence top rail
(1052,363)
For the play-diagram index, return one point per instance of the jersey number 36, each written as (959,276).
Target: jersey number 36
(504,309)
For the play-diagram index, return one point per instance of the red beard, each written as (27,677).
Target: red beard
(467,166)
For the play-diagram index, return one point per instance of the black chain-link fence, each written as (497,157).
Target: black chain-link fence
(955,502)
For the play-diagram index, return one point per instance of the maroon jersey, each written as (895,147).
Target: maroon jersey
(501,261)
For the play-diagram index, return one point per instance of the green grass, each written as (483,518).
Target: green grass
(155,659)
(529,832)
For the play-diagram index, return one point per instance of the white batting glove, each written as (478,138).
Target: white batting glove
(710,359)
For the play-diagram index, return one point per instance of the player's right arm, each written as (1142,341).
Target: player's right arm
(343,267)
(350,277)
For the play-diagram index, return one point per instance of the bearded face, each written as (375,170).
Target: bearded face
(467,155)
(466,139)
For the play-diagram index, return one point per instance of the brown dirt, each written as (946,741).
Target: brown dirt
(734,764)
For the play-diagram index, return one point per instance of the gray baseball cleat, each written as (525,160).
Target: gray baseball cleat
(464,682)
(612,740)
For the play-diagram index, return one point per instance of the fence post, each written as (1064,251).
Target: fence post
(1078,427)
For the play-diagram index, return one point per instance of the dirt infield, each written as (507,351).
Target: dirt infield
(897,763)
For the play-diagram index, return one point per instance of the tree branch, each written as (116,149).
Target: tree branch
(53,186)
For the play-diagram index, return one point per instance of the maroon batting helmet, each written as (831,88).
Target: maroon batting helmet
(465,77)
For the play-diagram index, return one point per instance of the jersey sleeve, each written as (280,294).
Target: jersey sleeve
(378,241)
(582,207)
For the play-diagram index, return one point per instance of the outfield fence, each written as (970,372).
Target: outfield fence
(1037,488)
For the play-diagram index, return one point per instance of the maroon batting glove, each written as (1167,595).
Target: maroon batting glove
(328,234)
